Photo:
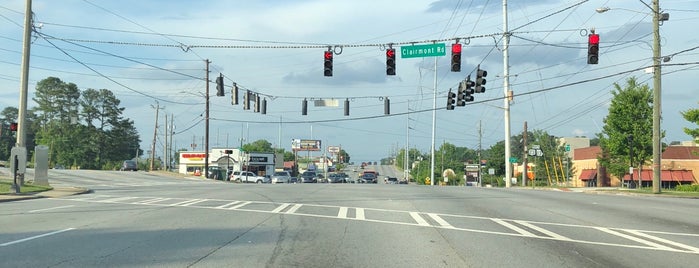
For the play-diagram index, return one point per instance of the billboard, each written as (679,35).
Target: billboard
(305,145)
(334,149)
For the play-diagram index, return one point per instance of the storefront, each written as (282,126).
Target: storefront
(192,163)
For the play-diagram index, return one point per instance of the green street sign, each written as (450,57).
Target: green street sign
(567,147)
(513,159)
(420,51)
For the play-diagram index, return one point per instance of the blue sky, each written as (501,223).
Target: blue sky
(279,54)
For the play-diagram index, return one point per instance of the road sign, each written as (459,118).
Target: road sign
(567,147)
(513,159)
(420,51)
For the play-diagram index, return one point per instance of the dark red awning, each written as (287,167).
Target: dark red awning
(588,174)
(665,175)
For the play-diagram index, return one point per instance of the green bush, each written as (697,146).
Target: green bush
(688,188)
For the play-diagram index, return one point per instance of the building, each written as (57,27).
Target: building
(192,163)
(680,165)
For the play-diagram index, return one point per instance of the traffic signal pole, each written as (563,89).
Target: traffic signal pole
(506,88)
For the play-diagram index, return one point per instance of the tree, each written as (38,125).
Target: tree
(627,128)
(259,146)
(692,115)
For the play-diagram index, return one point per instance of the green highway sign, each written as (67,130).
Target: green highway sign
(513,159)
(420,51)
(567,147)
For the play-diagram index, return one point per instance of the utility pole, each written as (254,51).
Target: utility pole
(524,155)
(434,123)
(20,158)
(155,135)
(206,141)
(406,174)
(165,152)
(506,88)
(480,139)
(172,134)
(657,150)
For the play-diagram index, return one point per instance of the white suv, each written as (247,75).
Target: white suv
(281,177)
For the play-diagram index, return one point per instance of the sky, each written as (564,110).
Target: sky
(153,54)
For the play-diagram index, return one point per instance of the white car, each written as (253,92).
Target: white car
(281,177)
(247,176)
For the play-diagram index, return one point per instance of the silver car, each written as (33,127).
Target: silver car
(281,177)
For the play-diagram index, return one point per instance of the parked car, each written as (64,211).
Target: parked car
(293,180)
(308,177)
(391,180)
(129,165)
(216,173)
(281,177)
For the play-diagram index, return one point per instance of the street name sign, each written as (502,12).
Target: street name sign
(420,51)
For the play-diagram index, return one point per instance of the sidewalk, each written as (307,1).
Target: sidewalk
(55,193)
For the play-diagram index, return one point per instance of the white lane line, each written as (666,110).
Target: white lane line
(229,204)
(420,221)
(193,202)
(183,202)
(543,231)
(513,227)
(293,209)
(439,220)
(35,237)
(47,209)
(359,214)
(632,238)
(659,239)
(239,205)
(118,199)
(152,200)
(342,213)
(281,207)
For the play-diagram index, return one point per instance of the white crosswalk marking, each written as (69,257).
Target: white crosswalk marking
(513,227)
(679,245)
(420,221)
(240,205)
(342,213)
(439,220)
(281,207)
(293,209)
(542,230)
(646,242)
(228,205)
(359,214)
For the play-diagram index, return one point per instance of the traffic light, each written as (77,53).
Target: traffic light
(450,100)
(257,103)
(234,94)
(593,48)
(386,106)
(347,107)
(328,56)
(390,61)
(480,79)
(465,92)
(229,151)
(219,85)
(246,100)
(264,106)
(456,58)
(13,126)
(304,107)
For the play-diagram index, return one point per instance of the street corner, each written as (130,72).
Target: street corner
(64,191)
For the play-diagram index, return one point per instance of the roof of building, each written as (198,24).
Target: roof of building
(665,175)
(587,153)
(681,152)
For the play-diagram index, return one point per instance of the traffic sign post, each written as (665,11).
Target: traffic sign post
(421,51)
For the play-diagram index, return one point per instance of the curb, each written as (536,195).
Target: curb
(55,193)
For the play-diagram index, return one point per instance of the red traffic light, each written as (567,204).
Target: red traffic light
(390,61)
(593,39)
(13,126)
(456,48)
(390,53)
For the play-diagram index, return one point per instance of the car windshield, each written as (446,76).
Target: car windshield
(281,174)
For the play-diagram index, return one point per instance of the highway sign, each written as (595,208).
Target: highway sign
(513,159)
(420,51)
(567,147)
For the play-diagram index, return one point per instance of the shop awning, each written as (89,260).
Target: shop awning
(588,174)
(665,175)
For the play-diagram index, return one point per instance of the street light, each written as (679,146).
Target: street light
(657,150)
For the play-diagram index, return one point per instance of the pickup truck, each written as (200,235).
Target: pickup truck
(247,176)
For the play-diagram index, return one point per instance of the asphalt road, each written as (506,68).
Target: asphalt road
(140,219)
